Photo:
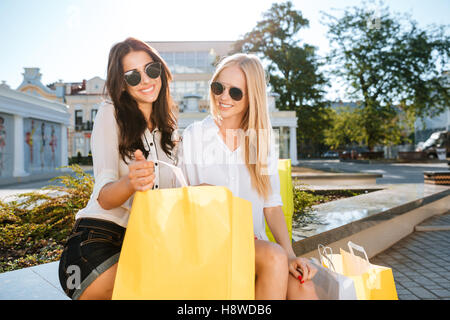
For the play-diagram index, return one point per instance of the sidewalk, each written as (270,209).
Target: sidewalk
(421,262)
(393,173)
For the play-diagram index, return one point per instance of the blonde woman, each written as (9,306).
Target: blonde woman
(234,147)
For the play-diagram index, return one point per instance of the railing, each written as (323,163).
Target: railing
(84,126)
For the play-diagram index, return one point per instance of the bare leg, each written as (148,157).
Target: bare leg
(271,266)
(102,287)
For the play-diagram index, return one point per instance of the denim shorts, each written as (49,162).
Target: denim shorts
(92,248)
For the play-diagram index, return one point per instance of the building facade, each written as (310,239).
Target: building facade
(83,99)
(33,134)
(83,107)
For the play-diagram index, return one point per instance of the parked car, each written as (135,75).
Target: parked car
(437,140)
(352,153)
(331,154)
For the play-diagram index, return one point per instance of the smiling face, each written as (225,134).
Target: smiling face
(229,109)
(147,91)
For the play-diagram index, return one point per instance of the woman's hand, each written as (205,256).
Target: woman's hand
(141,172)
(308,271)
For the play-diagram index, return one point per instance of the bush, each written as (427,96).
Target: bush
(85,161)
(303,201)
(34,227)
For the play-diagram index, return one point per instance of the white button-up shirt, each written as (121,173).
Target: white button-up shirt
(109,165)
(205,158)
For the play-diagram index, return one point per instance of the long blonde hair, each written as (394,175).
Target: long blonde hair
(255,123)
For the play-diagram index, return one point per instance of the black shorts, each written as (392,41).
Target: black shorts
(92,248)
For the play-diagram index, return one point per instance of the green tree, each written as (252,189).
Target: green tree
(293,68)
(390,64)
(345,129)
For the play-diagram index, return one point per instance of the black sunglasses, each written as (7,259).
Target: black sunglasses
(218,88)
(133,77)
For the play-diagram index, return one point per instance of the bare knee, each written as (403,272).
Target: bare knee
(271,271)
(301,291)
(271,256)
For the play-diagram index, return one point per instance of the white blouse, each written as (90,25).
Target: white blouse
(205,158)
(109,165)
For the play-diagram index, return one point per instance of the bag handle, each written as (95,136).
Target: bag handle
(352,246)
(177,171)
(325,255)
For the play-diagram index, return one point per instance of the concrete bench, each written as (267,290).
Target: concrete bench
(437,177)
(376,220)
(335,178)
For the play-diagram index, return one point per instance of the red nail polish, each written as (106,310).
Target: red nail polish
(300,278)
(302,282)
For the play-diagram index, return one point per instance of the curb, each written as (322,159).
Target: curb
(432,228)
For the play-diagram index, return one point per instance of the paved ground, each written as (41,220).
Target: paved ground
(421,262)
(392,172)
(17,188)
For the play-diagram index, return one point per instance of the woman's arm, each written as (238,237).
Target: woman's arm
(114,194)
(140,178)
(277,225)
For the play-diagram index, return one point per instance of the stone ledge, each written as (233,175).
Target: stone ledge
(329,175)
(361,215)
(336,178)
(393,161)
(432,228)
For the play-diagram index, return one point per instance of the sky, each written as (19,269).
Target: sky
(69,40)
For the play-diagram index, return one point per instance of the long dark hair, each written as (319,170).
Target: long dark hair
(129,117)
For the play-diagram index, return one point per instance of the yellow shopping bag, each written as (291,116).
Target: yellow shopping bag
(187,243)
(372,282)
(287,195)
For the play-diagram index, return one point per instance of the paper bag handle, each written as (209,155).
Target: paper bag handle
(177,171)
(324,255)
(352,246)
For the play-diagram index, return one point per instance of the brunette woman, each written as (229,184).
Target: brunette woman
(130,134)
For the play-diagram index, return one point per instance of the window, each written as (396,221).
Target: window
(93,114)
(190,87)
(168,58)
(202,59)
(189,61)
(78,117)
(180,88)
(179,62)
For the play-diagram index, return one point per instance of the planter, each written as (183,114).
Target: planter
(412,155)
(371,155)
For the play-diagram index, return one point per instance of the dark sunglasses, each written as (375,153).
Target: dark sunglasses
(235,93)
(133,77)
